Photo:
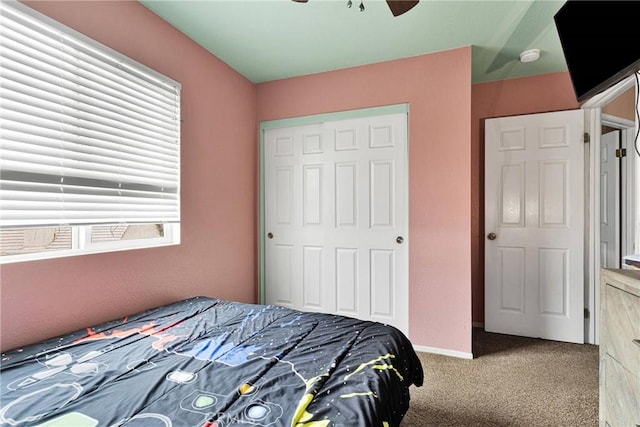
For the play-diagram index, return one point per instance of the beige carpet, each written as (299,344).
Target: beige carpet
(512,381)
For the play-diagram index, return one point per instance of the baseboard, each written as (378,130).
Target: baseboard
(443,351)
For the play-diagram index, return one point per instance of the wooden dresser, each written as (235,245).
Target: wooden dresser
(620,348)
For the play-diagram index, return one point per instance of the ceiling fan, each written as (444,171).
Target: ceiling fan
(397,7)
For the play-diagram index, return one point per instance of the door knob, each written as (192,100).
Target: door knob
(399,239)
(270,235)
(491,236)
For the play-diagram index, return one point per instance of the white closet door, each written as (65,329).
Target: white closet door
(336,218)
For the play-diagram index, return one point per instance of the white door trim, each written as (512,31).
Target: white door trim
(594,120)
(627,133)
(605,97)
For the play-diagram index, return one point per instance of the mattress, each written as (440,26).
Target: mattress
(206,362)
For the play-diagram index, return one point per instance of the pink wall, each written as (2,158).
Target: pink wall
(527,95)
(438,89)
(220,110)
(217,256)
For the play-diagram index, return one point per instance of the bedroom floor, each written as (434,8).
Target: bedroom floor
(513,381)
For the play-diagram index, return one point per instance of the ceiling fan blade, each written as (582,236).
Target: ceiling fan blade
(398,7)
(300,1)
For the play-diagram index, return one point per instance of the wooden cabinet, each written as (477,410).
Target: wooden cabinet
(620,348)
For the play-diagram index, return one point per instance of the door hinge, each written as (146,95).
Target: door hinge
(621,152)
(586,137)
(587,314)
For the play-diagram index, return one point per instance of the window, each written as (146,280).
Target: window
(89,144)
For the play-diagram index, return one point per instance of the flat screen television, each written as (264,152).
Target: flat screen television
(600,41)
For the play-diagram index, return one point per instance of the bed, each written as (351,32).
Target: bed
(206,362)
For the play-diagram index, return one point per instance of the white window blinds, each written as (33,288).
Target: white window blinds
(87,136)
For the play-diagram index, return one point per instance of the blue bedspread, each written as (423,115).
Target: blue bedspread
(205,362)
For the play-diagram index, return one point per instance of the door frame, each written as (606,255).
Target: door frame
(594,121)
(315,119)
(627,202)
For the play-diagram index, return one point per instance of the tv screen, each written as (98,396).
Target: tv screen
(600,41)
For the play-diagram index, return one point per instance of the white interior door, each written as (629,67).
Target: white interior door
(609,201)
(534,220)
(629,192)
(336,218)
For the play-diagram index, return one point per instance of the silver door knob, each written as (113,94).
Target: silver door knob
(491,236)
(399,239)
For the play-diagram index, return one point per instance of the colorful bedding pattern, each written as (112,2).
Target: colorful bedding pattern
(205,362)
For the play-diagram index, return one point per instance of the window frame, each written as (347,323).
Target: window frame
(81,244)
(81,232)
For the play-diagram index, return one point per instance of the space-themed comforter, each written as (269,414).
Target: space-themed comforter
(205,362)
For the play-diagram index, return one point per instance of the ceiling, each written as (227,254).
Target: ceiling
(268,40)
